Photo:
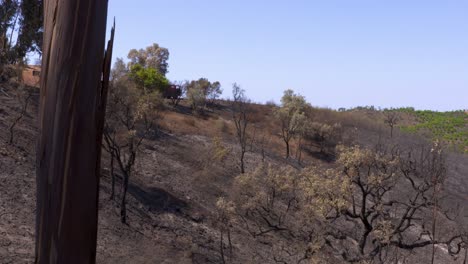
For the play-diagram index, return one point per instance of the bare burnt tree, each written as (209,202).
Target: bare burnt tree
(225,212)
(270,205)
(23,96)
(118,72)
(373,207)
(301,137)
(253,138)
(74,81)
(130,118)
(262,143)
(383,215)
(110,132)
(111,172)
(241,117)
(428,165)
(392,117)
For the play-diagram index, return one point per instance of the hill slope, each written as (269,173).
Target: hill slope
(173,216)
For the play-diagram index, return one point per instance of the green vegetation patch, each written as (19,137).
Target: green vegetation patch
(451,127)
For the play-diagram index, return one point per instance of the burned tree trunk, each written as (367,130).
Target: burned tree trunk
(241,118)
(72,105)
(123,201)
(112,174)
(20,116)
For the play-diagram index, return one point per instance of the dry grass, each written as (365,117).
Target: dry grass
(175,170)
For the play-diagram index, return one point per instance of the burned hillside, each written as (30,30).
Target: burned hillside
(188,202)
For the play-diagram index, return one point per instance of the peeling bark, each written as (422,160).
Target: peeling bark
(71,116)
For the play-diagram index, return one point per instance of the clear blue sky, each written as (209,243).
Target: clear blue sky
(346,53)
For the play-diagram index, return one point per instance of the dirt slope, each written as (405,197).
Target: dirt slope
(172,195)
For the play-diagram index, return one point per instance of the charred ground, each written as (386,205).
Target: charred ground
(172,212)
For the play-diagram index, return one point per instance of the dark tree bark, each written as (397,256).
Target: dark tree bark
(111,171)
(72,105)
(24,109)
(123,203)
(392,117)
(241,118)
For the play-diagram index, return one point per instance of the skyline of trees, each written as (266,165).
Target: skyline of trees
(21,29)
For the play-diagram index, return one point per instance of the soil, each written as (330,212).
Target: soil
(171,201)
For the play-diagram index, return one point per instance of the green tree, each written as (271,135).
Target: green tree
(148,79)
(30,28)
(153,56)
(8,16)
(24,18)
(210,90)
